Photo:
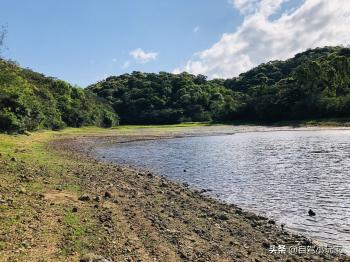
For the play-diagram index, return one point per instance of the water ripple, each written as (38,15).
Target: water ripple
(278,174)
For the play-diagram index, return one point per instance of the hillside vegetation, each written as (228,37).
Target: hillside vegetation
(314,84)
(30,101)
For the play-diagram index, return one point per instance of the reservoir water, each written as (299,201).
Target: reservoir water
(279,174)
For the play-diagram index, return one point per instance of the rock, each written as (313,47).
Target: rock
(185,170)
(93,258)
(265,245)
(205,191)
(13,159)
(22,190)
(108,195)
(253,224)
(24,178)
(239,211)
(84,198)
(311,213)
(74,209)
(163,184)
(271,222)
(222,216)
(97,199)
(307,242)
(105,217)
(25,244)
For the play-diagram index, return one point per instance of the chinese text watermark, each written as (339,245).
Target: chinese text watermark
(290,249)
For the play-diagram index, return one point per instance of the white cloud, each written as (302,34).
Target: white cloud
(245,6)
(259,39)
(196,29)
(265,7)
(143,57)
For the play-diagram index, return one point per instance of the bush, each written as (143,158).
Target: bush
(10,123)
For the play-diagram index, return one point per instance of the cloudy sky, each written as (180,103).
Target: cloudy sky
(84,41)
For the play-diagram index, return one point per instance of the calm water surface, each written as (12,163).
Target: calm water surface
(278,174)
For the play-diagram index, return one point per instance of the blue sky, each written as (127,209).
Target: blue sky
(83,41)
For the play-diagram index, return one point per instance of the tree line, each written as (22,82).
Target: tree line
(313,84)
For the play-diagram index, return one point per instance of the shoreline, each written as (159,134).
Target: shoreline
(100,141)
(134,215)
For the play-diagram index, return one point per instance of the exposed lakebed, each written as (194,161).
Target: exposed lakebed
(279,174)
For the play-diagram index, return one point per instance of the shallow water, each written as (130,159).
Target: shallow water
(279,174)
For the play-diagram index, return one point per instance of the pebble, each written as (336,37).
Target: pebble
(108,195)
(271,222)
(93,258)
(84,198)
(22,190)
(97,199)
(222,216)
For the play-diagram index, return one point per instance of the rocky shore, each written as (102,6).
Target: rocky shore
(71,207)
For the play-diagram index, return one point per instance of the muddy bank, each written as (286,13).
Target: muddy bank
(153,219)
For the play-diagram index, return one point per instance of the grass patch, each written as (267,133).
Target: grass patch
(2,245)
(72,188)
(36,187)
(76,235)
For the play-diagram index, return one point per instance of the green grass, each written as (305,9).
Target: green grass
(72,188)
(76,231)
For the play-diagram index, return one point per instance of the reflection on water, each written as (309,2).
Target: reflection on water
(278,174)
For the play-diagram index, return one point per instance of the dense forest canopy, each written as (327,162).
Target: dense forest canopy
(30,101)
(313,84)
(144,98)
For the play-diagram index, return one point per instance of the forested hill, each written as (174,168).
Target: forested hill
(313,84)
(30,101)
